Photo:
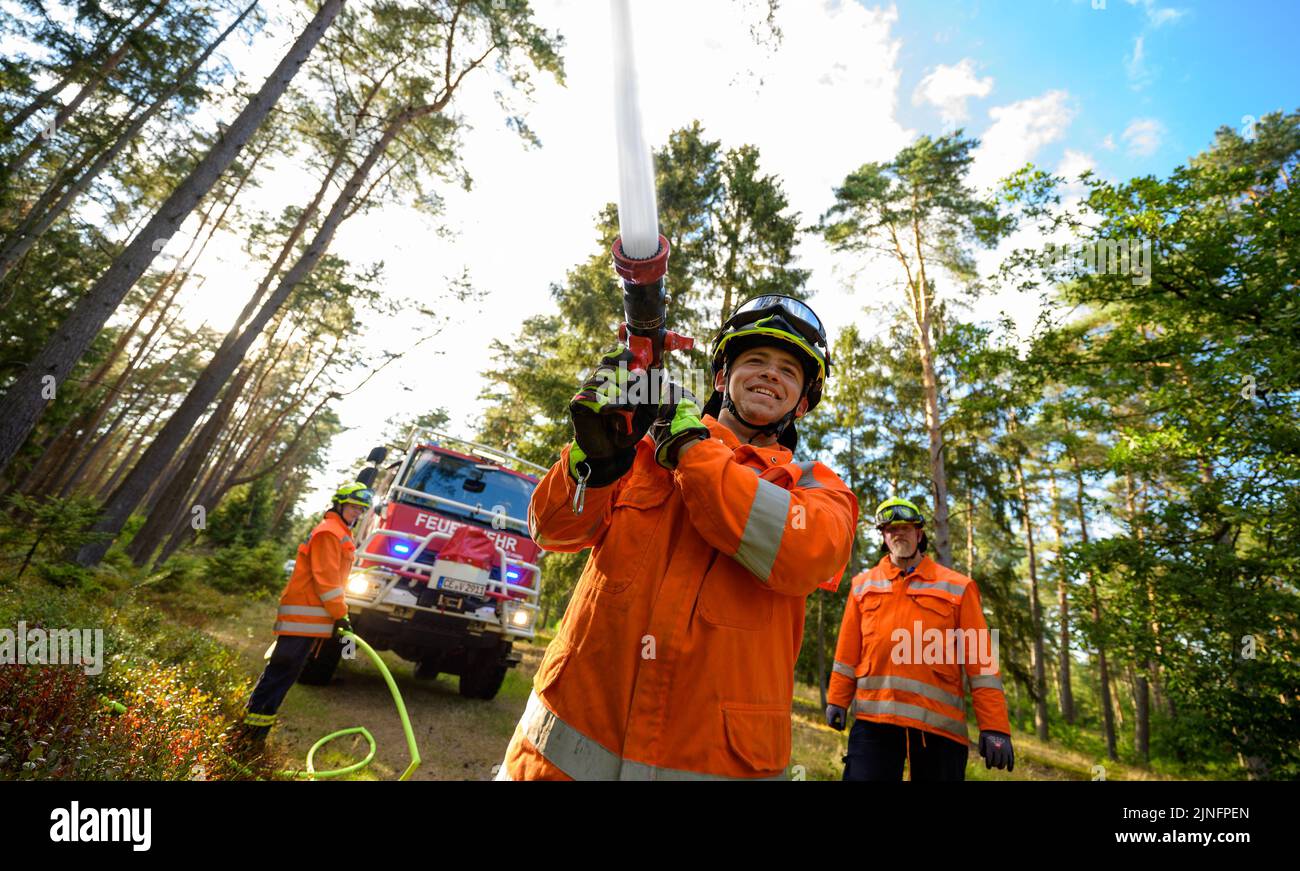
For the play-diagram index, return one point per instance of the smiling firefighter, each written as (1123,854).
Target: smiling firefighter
(675,658)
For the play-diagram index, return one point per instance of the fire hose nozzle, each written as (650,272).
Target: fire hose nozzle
(646,271)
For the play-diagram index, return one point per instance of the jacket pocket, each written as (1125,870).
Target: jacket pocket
(553,662)
(730,596)
(934,611)
(758,735)
(869,609)
(619,559)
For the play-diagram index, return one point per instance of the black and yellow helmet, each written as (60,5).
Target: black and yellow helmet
(897,510)
(782,321)
(354,494)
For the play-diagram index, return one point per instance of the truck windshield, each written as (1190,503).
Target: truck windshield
(464,481)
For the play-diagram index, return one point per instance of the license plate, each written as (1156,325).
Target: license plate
(456,585)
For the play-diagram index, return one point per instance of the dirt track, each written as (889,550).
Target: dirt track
(458,739)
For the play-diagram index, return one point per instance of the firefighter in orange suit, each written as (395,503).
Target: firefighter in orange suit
(675,658)
(313,607)
(912,639)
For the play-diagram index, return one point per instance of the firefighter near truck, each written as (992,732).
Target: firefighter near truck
(446,574)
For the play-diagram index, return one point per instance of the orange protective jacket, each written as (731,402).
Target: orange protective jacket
(314,597)
(675,658)
(910,645)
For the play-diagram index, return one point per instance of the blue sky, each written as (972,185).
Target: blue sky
(1200,65)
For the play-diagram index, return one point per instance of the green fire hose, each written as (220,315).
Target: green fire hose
(310,771)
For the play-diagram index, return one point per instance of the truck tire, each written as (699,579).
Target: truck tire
(427,668)
(483,678)
(319,670)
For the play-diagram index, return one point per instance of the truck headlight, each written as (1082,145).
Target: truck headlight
(521,618)
(359,586)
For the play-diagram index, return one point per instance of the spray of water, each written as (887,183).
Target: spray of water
(638,214)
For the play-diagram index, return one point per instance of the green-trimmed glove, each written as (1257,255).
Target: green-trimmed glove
(606,422)
(677,422)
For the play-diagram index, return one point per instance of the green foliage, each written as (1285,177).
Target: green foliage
(182,692)
(257,570)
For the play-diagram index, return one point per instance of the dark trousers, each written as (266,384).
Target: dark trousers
(287,661)
(877,752)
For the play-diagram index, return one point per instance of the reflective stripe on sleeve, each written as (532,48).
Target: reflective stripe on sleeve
(842,668)
(808,481)
(986,681)
(910,685)
(912,712)
(764,529)
(583,758)
(331,594)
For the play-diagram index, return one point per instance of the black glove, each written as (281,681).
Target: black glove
(341,625)
(996,749)
(611,413)
(835,717)
(676,423)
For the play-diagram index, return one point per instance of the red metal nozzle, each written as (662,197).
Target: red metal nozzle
(646,271)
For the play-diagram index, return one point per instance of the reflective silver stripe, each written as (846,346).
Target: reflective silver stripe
(331,594)
(305,628)
(986,681)
(302,611)
(582,758)
(913,712)
(879,583)
(764,529)
(807,481)
(947,587)
(910,685)
(846,670)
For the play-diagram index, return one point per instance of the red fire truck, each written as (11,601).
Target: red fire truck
(447,615)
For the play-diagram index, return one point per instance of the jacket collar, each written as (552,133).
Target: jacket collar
(773,452)
(924,569)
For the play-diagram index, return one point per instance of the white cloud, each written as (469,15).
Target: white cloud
(1108,143)
(949,87)
(1075,163)
(1135,67)
(1158,16)
(1143,136)
(1018,131)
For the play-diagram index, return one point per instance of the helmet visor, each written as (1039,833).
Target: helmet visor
(898,514)
(800,316)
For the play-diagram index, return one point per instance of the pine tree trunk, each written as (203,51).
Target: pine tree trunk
(223,363)
(36,224)
(1103,670)
(1035,607)
(110,64)
(1066,695)
(27,397)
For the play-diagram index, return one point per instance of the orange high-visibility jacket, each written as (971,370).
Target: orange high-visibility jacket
(314,597)
(675,658)
(909,646)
